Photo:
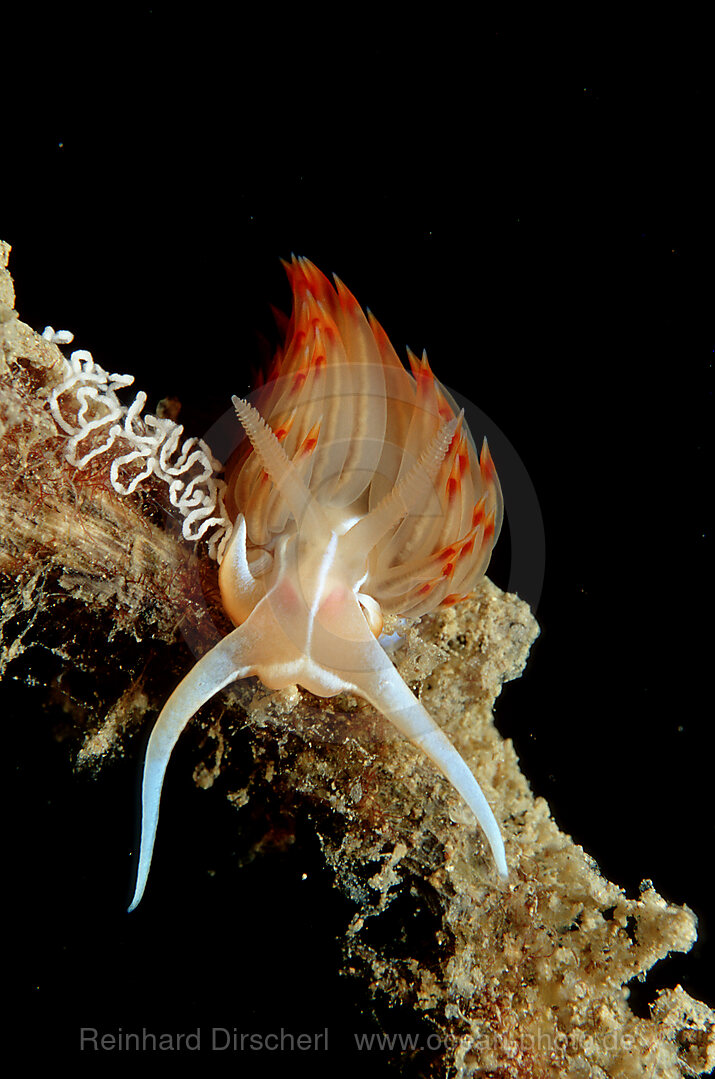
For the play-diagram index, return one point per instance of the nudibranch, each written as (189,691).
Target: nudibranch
(358,493)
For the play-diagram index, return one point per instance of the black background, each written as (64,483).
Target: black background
(531,208)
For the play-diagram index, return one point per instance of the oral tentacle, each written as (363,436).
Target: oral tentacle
(232,658)
(387,692)
(373,676)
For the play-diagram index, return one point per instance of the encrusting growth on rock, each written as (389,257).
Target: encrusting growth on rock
(526,978)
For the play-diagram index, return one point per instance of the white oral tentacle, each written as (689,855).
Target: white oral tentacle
(384,688)
(217,669)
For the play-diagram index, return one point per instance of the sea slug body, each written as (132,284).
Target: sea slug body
(358,493)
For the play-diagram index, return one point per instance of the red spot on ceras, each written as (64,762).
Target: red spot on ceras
(486,465)
(311,439)
(281,431)
(478,513)
(298,380)
(488,527)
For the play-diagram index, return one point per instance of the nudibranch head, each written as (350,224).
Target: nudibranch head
(358,494)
